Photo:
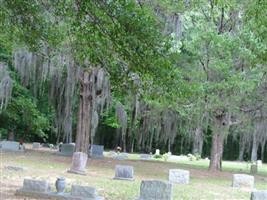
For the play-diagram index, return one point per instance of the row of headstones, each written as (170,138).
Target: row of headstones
(42,189)
(149,189)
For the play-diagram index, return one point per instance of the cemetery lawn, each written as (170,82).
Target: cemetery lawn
(44,164)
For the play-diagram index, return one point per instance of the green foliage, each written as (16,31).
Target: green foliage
(22,115)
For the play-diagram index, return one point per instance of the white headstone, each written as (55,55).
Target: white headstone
(179,176)
(124,172)
(259,163)
(36,145)
(259,195)
(243,181)
(155,190)
(157,152)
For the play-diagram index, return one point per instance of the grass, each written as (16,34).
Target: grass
(203,184)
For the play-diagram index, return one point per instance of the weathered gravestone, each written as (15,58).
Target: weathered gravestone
(15,168)
(34,186)
(66,149)
(145,157)
(259,195)
(243,181)
(88,193)
(124,172)
(155,190)
(253,169)
(121,156)
(11,146)
(179,176)
(79,161)
(259,163)
(157,152)
(36,145)
(97,151)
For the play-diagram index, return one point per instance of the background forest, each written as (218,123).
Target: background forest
(186,76)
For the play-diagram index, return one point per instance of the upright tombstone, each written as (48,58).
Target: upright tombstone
(97,151)
(33,186)
(85,192)
(66,149)
(243,181)
(155,190)
(79,161)
(259,195)
(254,169)
(179,176)
(36,145)
(10,146)
(157,152)
(124,172)
(259,163)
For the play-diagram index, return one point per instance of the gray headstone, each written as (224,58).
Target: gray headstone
(15,168)
(243,181)
(259,195)
(155,190)
(66,150)
(36,145)
(179,176)
(121,156)
(97,151)
(253,169)
(124,172)
(79,161)
(83,191)
(10,146)
(31,185)
(145,157)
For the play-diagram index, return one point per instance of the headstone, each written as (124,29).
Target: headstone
(243,181)
(145,157)
(179,176)
(155,190)
(253,169)
(121,156)
(30,185)
(66,150)
(15,168)
(124,172)
(10,146)
(85,192)
(259,163)
(97,151)
(79,161)
(36,145)
(157,152)
(169,153)
(259,195)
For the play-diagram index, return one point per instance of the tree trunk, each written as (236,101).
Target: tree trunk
(254,151)
(216,152)
(85,113)
(220,129)
(84,123)
(241,150)
(198,141)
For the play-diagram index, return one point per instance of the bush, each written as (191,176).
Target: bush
(157,156)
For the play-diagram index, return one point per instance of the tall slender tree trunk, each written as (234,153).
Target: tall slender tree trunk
(85,113)
(241,150)
(198,141)
(255,145)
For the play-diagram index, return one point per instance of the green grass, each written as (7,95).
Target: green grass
(203,185)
